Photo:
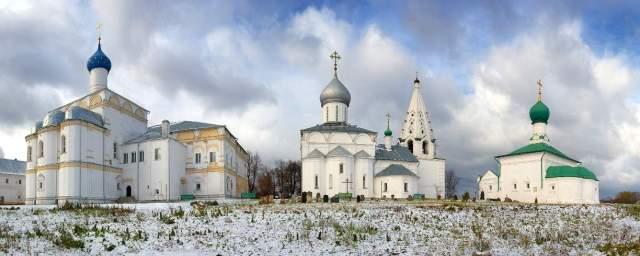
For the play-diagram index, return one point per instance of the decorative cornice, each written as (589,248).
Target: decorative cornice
(75,164)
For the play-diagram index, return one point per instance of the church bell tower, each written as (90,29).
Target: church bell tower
(416,133)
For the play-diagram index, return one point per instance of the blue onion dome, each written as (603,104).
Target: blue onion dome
(335,91)
(53,118)
(83,114)
(539,113)
(99,60)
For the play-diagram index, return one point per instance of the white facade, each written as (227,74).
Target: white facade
(338,157)
(90,150)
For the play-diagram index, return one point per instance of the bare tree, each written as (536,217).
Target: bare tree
(265,184)
(254,163)
(450,183)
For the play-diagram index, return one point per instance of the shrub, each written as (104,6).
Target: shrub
(465,197)
(508,200)
(455,197)
(268,199)
(410,198)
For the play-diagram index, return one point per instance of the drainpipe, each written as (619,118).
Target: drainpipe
(168,169)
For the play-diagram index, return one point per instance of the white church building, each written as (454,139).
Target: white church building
(99,148)
(539,172)
(339,157)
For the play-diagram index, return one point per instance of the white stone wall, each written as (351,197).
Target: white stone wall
(489,185)
(395,186)
(154,180)
(431,173)
(12,188)
(569,190)
(330,180)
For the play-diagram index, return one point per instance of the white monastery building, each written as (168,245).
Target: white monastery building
(99,148)
(538,172)
(11,181)
(338,157)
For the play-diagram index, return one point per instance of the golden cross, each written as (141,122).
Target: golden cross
(335,56)
(539,90)
(388,119)
(99,31)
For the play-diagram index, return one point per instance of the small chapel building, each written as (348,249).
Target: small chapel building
(339,157)
(539,172)
(99,148)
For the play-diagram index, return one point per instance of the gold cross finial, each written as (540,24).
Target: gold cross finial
(335,56)
(539,90)
(99,31)
(388,119)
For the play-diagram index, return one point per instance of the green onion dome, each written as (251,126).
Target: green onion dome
(387,132)
(539,113)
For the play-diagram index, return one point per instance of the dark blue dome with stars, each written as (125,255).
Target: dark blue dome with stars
(99,60)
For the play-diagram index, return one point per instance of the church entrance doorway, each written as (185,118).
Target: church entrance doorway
(482,195)
(128,191)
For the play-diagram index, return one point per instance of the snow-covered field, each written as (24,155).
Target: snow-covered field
(370,228)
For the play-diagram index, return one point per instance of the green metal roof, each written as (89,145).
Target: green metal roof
(538,147)
(539,113)
(569,171)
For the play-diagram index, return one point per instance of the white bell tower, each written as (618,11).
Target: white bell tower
(416,133)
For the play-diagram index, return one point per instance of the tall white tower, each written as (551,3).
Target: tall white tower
(416,133)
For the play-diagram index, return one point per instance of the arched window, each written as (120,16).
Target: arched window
(336,113)
(515,186)
(29,149)
(410,145)
(326,111)
(385,187)
(115,150)
(364,181)
(330,181)
(406,187)
(63,144)
(425,149)
(40,149)
(341,168)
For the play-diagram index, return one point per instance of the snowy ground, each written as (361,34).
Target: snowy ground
(371,228)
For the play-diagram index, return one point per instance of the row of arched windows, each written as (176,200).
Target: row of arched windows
(425,146)
(63,148)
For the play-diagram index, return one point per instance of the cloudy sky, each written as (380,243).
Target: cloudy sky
(259,66)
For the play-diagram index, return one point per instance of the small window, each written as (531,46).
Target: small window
(157,154)
(40,149)
(406,187)
(133,157)
(115,150)
(118,186)
(515,186)
(212,157)
(316,182)
(19,181)
(29,153)
(6,181)
(197,158)
(336,113)
(198,186)
(40,185)
(341,168)
(125,158)
(364,182)
(553,187)
(490,188)
(141,156)
(385,187)
(63,144)
(528,185)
